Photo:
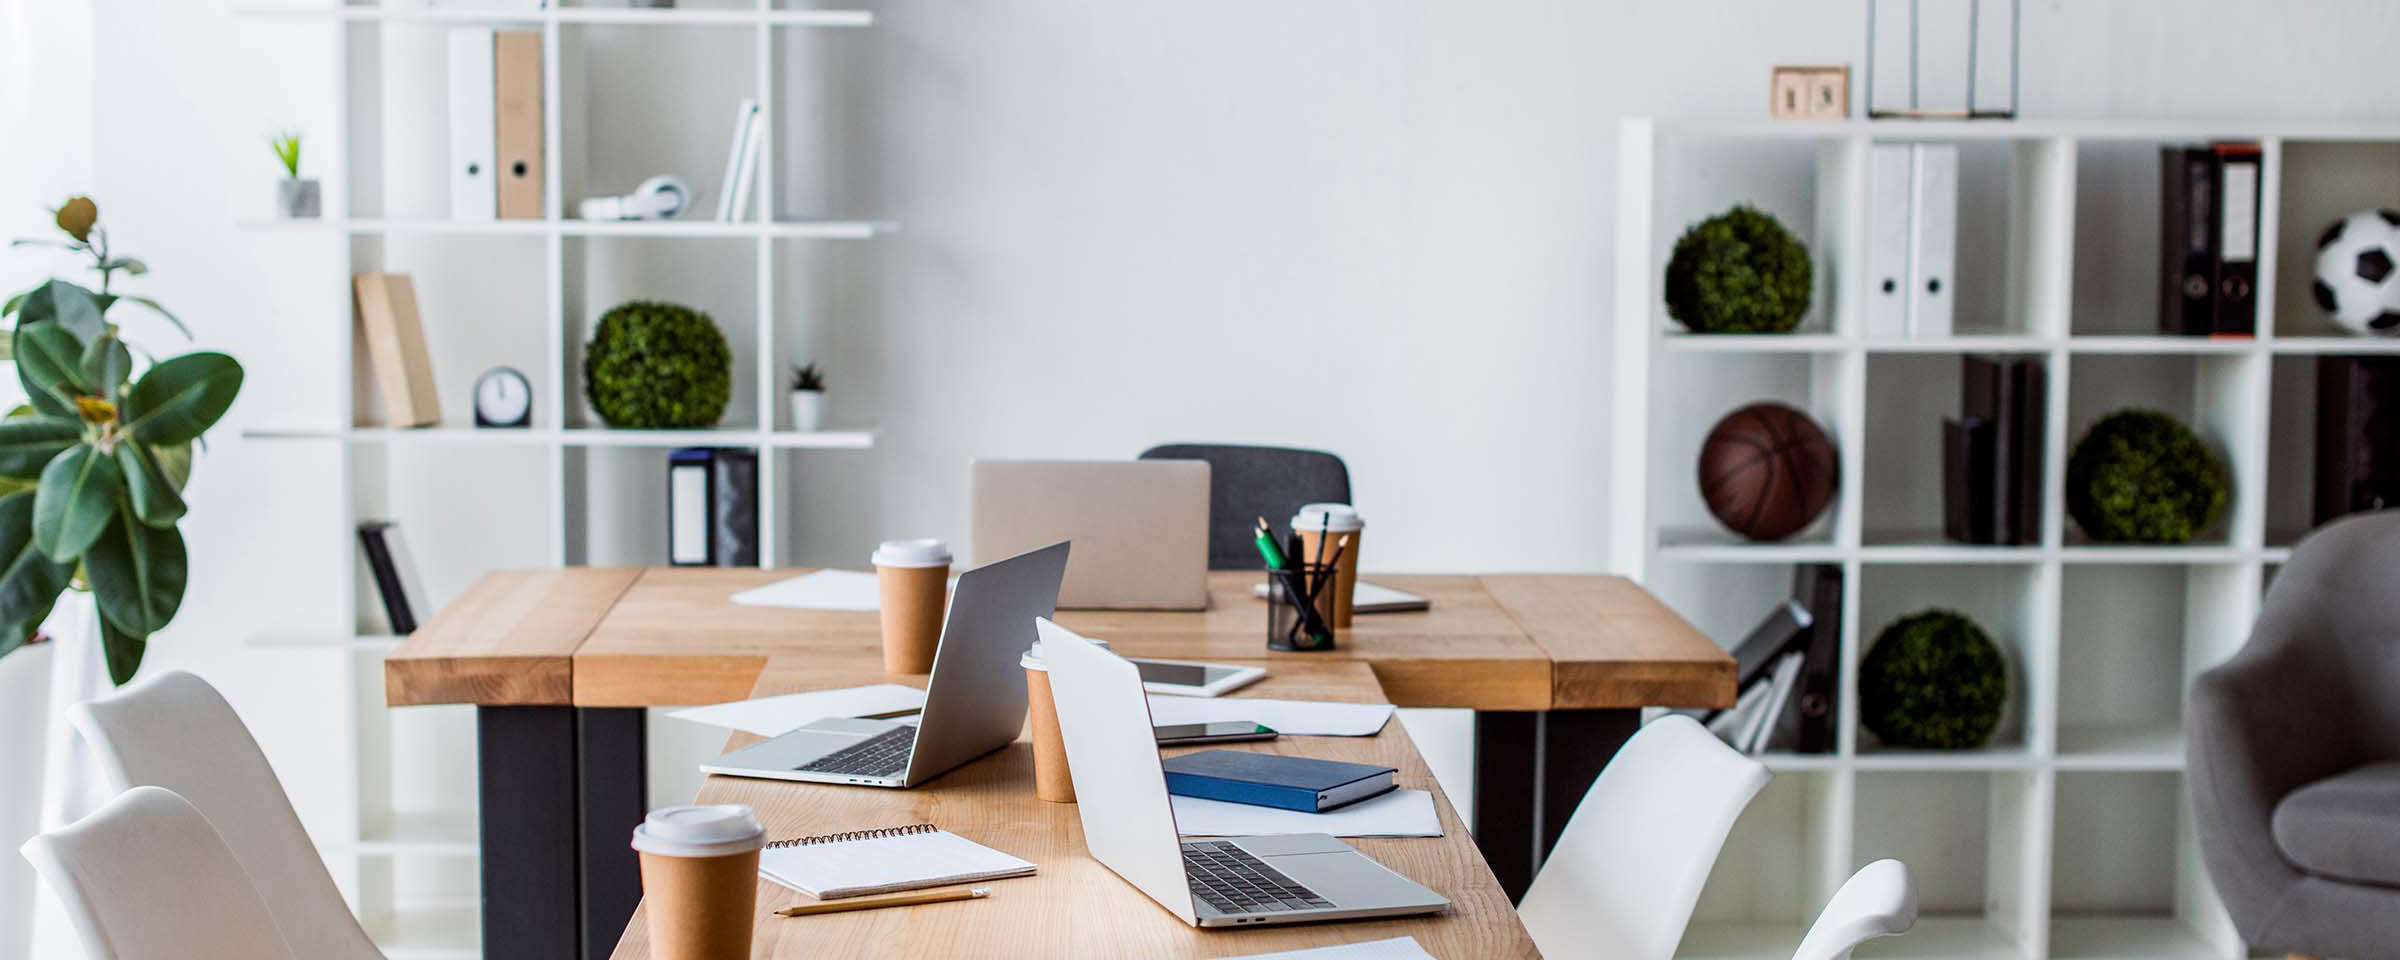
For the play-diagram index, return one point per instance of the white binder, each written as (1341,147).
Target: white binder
(687,514)
(473,187)
(1933,238)
(1888,177)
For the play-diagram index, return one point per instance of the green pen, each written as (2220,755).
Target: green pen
(1267,549)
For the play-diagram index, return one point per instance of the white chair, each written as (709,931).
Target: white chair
(173,730)
(147,878)
(1629,866)
(1880,900)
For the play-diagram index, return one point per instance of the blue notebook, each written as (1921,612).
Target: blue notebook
(1273,780)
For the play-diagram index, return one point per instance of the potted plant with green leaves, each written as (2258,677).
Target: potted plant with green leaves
(808,397)
(93,467)
(296,197)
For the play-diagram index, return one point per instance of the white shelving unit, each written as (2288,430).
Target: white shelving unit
(2068,836)
(410,846)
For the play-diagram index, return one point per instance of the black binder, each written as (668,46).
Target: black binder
(2237,195)
(2358,435)
(712,507)
(1814,711)
(2187,213)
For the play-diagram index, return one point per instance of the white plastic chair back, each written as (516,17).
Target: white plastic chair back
(1880,900)
(1622,881)
(147,878)
(173,730)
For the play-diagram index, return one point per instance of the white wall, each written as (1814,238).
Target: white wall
(1378,228)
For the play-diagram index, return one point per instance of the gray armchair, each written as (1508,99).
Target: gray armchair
(2293,753)
(1246,483)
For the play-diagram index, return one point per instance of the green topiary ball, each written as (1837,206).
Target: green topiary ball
(654,365)
(1738,272)
(2139,476)
(1934,679)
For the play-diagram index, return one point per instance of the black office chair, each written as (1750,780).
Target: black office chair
(1246,483)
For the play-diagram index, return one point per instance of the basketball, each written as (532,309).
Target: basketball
(1766,471)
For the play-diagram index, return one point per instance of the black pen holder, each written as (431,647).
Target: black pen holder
(1296,621)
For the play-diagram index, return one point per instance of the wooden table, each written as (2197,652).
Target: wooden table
(1076,906)
(560,663)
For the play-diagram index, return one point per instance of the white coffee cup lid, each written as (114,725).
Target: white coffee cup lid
(700,831)
(911,553)
(1344,518)
(1032,660)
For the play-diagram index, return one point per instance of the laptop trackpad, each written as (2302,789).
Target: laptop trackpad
(1337,872)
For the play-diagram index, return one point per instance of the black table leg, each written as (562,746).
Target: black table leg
(613,760)
(526,792)
(560,790)
(1531,769)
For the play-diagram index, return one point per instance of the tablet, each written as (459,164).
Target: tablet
(1188,679)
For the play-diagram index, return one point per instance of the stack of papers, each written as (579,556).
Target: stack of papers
(1396,948)
(1300,718)
(822,590)
(1400,813)
(776,716)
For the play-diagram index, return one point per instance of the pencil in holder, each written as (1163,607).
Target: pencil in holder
(1300,608)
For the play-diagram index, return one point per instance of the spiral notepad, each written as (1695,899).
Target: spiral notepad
(890,860)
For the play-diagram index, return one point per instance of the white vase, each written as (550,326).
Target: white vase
(808,410)
(297,199)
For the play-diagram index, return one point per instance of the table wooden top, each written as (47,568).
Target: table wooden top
(672,636)
(1075,906)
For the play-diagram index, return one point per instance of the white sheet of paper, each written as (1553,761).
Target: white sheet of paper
(1396,948)
(1300,718)
(775,716)
(1400,813)
(822,590)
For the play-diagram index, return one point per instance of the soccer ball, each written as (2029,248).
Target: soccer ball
(2358,272)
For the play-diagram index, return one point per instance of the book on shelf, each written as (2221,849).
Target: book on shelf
(2358,435)
(1992,487)
(395,341)
(395,573)
(712,507)
(741,161)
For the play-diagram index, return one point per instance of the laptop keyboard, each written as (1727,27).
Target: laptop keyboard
(1228,878)
(882,755)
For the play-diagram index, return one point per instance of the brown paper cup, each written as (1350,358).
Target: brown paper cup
(1345,580)
(1052,780)
(701,908)
(912,615)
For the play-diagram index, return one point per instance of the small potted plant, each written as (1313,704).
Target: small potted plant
(295,198)
(808,397)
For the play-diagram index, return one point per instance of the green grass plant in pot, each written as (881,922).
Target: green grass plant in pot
(1933,680)
(1738,272)
(2141,476)
(93,467)
(653,366)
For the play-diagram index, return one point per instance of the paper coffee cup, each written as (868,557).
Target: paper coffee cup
(700,880)
(913,577)
(1053,780)
(1330,522)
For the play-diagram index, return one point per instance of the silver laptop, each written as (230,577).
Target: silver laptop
(1140,527)
(1129,824)
(974,701)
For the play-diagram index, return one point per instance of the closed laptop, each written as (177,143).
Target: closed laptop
(1140,527)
